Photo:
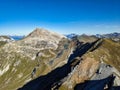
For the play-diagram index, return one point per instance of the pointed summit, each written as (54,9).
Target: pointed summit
(38,32)
(43,33)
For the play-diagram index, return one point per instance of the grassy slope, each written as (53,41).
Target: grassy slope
(85,38)
(2,43)
(10,79)
(108,52)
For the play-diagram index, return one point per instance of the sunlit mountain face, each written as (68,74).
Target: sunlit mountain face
(59,44)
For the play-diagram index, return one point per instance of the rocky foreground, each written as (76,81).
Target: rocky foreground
(45,60)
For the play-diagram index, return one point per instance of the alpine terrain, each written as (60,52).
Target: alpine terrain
(45,60)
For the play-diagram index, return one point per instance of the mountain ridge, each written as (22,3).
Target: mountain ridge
(28,63)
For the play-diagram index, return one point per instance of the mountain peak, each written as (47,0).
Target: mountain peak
(38,32)
(42,38)
(43,33)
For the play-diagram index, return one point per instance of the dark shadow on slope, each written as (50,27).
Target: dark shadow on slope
(115,88)
(81,50)
(97,84)
(96,46)
(51,79)
(55,78)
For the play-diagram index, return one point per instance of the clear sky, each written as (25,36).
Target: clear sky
(63,16)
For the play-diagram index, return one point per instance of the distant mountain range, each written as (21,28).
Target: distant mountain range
(17,37)
(114,35)
(111,35)
(70,36)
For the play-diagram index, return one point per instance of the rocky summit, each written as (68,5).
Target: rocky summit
(45,60)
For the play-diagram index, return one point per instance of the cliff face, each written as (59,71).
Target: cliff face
(48,61)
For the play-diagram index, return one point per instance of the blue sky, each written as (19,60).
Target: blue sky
(63,16)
